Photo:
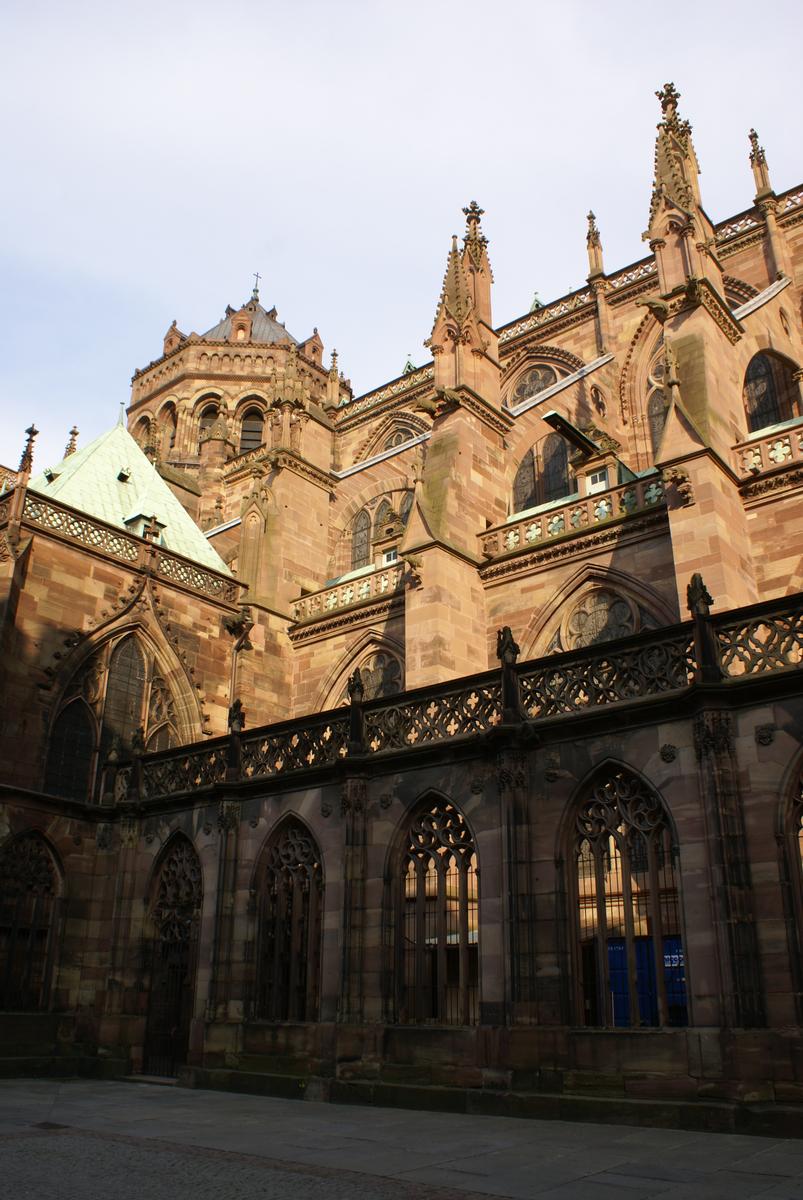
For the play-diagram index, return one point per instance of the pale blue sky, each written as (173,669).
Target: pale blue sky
(156,154)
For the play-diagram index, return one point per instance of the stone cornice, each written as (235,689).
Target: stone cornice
(756,491)
(345,619)
(280,458)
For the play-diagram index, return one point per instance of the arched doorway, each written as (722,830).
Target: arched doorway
(175,915)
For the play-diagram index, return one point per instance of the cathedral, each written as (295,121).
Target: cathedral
(441,745)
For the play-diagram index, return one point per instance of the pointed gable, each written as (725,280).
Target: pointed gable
(112,480)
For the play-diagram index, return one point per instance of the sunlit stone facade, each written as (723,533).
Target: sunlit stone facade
(471,758)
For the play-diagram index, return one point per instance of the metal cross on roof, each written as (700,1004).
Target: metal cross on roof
(257,278)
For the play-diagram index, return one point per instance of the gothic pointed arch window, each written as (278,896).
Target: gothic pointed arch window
(175,913)
(114,695)
(251,430)
(71,751)
(30,923)
(524,491)
(125,693)
(630,958)
(361,540)
(555,467)
(770,392)
(437,919)
(657,398)
(543,475)
(289,891)
(384,514)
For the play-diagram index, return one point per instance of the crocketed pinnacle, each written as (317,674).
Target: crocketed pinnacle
(592,237)
(26,462)
(72,443)
(456,298)
(675,160)
(757,155)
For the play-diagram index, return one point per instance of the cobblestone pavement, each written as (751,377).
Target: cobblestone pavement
(83,1140)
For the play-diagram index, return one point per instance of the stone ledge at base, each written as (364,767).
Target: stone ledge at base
(766,1119)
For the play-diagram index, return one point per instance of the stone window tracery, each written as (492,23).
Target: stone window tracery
(601,616)
(30,887)
(290,902)
(382,675)
(175,915)
(657,398)
(361,540)
(399,435)
(630,957)
(771,394)
(437,928)
(543,474)
(113,697)
(534,380)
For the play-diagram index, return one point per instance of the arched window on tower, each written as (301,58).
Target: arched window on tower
(251,430)
(630,958)
(361,540)
(290,901)
(207,419)
(30,923)
(167,425)
(771,394)
(437,919)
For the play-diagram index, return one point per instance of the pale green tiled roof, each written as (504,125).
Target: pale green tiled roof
(89,480)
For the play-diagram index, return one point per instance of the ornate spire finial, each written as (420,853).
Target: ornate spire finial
(594,246)
(473,214)
(70,447)
(255,292)
(26,462)
(757,154)
(669,96)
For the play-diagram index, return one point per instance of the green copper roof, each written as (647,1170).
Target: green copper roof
(111,479)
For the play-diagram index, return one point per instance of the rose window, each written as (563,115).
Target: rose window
(536,380)
(600,617)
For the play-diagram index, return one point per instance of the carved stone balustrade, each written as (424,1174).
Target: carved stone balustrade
(361,590)
(77,527)
(779,449)
(574,517)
